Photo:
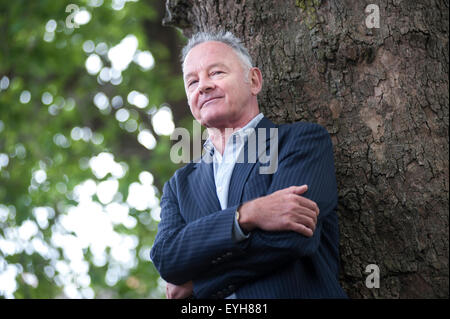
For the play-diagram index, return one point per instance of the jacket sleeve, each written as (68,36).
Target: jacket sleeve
(306,159)
(182,251)
(309,160)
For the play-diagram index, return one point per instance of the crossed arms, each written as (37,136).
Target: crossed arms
(286,223)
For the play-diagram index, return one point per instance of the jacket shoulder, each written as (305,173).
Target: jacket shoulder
(302,128)
(185,170)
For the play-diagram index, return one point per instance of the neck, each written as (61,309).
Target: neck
(220,136)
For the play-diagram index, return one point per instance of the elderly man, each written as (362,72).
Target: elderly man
(228,229)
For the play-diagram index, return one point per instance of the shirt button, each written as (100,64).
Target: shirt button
(219,188)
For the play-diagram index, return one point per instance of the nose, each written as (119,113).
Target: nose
(205,85)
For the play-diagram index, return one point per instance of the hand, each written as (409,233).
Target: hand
(179,292)
(283,210)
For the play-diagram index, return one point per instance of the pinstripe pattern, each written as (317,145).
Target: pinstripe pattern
(194,239)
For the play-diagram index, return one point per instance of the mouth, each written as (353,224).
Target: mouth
(208,101)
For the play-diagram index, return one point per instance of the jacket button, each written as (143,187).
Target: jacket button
(231,287)
(220,294)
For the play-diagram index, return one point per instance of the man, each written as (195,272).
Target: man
(228,229)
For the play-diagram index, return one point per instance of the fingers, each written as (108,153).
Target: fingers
(307,221)
(168,294)
(307,203)
(302,229)
(288,210)
(305,206)
(299,189)
(179,291)
(302,219)
(302,215)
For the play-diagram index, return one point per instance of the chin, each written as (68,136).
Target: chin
(213,120)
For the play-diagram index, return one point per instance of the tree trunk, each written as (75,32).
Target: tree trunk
(382,94)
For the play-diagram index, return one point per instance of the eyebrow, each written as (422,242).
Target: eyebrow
(218,64)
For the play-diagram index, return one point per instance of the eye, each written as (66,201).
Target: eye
(192,82)
(216,72)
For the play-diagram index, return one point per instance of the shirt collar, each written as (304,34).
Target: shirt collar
(243,132)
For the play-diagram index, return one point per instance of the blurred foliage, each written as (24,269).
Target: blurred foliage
(37,135)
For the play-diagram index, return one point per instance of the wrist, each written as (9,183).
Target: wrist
(246,217)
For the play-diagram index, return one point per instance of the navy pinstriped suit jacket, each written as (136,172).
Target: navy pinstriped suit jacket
(194,239)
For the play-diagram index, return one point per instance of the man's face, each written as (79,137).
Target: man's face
(216,86)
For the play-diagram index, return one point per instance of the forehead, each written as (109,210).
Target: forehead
(209,53)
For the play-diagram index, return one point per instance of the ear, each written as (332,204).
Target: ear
(256,81)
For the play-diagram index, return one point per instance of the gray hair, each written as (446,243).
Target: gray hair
(221,36)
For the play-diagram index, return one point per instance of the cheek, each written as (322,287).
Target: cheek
(192,99)
(192,102)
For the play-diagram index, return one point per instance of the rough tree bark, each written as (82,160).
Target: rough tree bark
(382,94)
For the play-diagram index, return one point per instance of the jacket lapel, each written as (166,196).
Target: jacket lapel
(241,171)
(202,186)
